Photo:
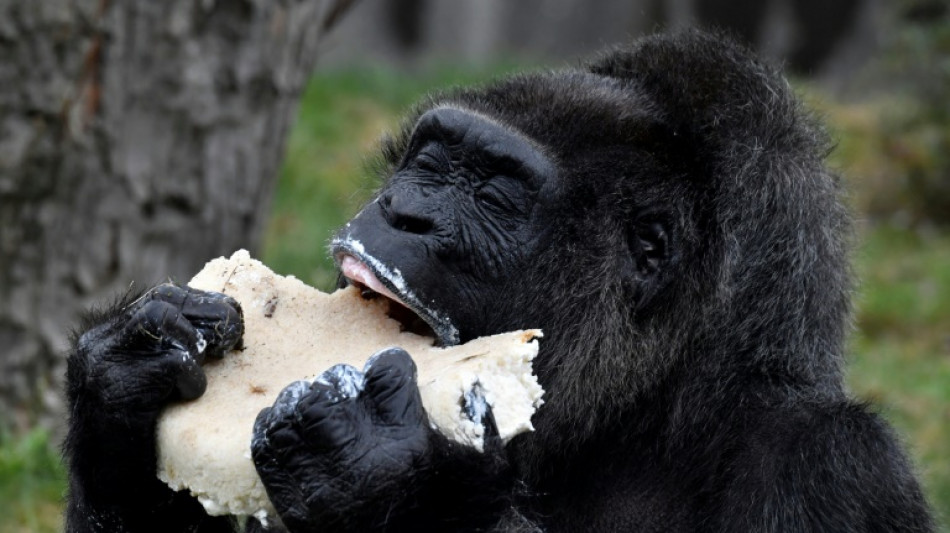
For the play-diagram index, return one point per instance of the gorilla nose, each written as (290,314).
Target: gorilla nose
(404,212)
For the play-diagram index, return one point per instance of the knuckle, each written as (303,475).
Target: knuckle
(313,404)
(342,381)
(288,399)
(390,365)
(167,292)
(150,319)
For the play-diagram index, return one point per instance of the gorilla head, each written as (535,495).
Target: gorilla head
(661,208)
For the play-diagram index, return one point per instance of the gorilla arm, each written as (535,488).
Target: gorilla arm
(131,361)
(829,467)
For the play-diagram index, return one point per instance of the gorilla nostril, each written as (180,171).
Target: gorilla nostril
(411,224)
(402,213)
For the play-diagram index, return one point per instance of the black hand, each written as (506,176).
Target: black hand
(354,451)
(136,358)
(149,353)
(325,449)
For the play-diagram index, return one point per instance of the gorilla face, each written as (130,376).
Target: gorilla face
(457,216)
(478,203)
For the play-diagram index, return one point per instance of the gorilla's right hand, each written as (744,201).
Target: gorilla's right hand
(132,362)
(150,352)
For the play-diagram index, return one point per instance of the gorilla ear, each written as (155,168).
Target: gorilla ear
(653,246)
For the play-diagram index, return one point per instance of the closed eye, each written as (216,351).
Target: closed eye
(428,159)
(498,193)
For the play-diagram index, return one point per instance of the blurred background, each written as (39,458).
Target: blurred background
(140,139)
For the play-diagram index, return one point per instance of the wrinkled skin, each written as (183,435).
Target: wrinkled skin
(663,213)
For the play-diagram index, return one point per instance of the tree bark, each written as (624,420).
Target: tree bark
(138,139)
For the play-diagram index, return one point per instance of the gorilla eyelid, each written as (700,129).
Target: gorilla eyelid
(498,194)
(427,162)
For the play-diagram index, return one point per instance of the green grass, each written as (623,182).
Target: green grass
(32,483)
(902,346)
(900,352)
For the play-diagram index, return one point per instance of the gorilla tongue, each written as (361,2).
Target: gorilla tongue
(355,270)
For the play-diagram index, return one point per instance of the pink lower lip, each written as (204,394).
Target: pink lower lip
(356,270)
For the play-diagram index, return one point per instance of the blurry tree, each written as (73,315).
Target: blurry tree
(818,26)
(138,139)
(825,39)
(917,137)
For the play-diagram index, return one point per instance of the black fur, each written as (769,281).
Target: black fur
(664,214)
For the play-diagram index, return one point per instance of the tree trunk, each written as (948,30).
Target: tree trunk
(138,139)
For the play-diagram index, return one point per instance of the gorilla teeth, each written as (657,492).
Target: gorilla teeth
(367,293)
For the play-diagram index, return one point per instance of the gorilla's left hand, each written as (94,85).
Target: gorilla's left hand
(354,451)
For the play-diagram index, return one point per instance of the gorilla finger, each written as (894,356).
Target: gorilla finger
(144,381)
(287,400)
(281,441)
(342,381)
(168,293)
(157,328)
(141,384)
(274,426)
(259,433)
(391,387)
(184,367)
(328,419)
(273,436)
(191,381)
(386,354)
(282,488)
(218,317)
(260,443)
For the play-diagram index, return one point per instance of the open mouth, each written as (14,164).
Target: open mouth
(375,279)
(359,275)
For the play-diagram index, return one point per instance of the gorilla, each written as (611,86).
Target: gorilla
(663,213)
